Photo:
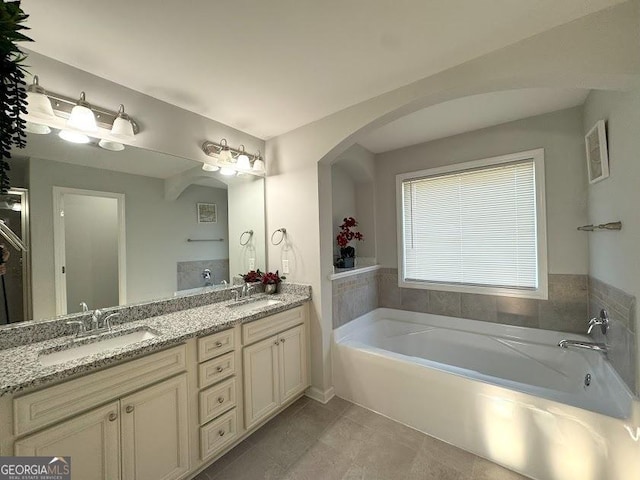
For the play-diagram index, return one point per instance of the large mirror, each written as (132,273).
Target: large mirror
(112,228)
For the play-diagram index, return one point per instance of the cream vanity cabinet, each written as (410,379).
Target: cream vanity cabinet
(274,363)
(139,433)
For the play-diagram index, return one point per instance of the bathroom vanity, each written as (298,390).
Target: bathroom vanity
(163,407)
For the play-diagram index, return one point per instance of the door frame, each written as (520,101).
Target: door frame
(59,243)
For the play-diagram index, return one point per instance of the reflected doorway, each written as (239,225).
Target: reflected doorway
(89,245)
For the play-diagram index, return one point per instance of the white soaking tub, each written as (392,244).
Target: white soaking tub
(509,394)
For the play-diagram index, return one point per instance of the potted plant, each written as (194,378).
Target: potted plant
(270,281)
(252,276)
(346,234)
(13,95)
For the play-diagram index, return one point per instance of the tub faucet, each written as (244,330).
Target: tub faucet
(598,347)
(602,320)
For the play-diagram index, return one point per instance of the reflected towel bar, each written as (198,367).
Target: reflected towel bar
(205,239)
(602,226)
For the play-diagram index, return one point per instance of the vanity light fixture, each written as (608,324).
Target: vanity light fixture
(209,167)
(241,161)
(122,127)
(111,146)
(82,117)
(76,120)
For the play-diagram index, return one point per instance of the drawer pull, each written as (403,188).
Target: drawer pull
(219,369)
(221,433)
(129,409)
(218,344)
(113,417)
(220,399)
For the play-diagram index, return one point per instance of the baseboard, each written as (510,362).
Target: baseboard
(319,395)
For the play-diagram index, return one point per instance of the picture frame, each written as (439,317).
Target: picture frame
(207,213)
(597,153)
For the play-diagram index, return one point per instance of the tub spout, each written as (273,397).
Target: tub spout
(598,347)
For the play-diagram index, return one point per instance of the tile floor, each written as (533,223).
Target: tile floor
(342,441)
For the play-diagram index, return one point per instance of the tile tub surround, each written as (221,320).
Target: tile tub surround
(354,296)
(190,273)
(566,309)
(343,441)
(20,368)
(621,338)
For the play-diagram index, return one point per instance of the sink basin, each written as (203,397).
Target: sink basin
(74,352)
(254,304)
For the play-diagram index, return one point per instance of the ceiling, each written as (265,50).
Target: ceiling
(267,67)
(470,113)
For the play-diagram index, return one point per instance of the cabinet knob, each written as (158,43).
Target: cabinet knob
(220,399)
(218,344)
(219,369)
(113,417)
(277,342)
(129,409)
(283,340)
(221,433)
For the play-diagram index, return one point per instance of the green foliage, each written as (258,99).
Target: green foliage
(13,95)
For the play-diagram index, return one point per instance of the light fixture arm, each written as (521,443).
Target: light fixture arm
(213,149)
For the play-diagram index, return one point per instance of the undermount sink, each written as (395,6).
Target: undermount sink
(74,351)
(254,304)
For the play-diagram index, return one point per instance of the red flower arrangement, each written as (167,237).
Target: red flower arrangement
(271,278)
(253,276)
(346,233)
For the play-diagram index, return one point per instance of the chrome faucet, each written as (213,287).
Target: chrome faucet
(602,320)
(598,347)
(98,324)
(244,292)
(206,275)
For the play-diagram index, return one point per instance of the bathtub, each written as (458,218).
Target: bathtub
(506,393)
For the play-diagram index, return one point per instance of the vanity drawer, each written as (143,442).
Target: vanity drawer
(217,399)
(216,344)
(217,369)
(216,435)
(52,404)
(266,327)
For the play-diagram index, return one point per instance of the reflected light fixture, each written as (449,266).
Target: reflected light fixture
(37,128)
(73,136)
(225,153)
(122,128)
(208,167)
(82,118)
(227,171)
(242,162)
(111,146)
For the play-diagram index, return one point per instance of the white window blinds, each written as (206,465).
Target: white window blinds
(473,227)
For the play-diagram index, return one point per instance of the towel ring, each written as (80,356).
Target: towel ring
(247,232)
(283,231)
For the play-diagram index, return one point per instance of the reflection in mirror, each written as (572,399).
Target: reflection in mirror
(109,228)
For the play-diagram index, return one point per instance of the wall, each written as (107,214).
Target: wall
(91,251)
(246,211)
(299,161)
(613,256)
(559,133)
(156,229)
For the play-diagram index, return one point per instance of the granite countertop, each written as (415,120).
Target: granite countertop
(20,367)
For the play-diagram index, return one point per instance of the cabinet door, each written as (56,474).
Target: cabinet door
(92,440)
(261,390)
(293,363)
(155,432)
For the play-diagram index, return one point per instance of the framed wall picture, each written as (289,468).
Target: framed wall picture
(597,154)
(207,213)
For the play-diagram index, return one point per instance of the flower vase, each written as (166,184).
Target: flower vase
(271,288)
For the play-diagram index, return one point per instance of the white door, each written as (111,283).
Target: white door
(293,363)
(92,440)
(261,389)
(89,244)
(155,432)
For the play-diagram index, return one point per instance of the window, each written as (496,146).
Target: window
(476,227)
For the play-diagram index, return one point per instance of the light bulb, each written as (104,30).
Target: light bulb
(228,172)
(73,137)
(243,162)
(82,118)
